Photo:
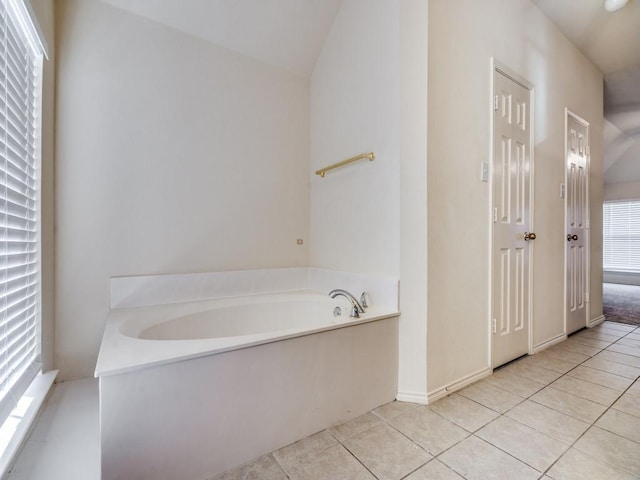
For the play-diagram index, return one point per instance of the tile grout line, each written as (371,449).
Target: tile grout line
(387,422)
(349,450)
(270,454)
(529,398)
(435,457)
(606,348)
(592,424)
(474,433)
(543,473)
(356,458)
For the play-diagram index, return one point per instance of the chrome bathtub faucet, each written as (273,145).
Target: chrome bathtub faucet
(356,308)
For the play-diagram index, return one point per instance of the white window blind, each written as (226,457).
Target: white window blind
(20,87)
(621,229)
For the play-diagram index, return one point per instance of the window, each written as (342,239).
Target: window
(621,228)
(21,57)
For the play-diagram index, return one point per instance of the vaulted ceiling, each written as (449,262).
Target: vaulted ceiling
(612,41)
(285,33)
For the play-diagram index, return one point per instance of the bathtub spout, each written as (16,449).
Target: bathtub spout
(356,308)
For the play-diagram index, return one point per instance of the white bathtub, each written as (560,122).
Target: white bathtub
(193,389)
(143,337)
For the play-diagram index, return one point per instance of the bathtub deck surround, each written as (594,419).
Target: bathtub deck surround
(148,290)
(141,304)
(246,374)
(142,337)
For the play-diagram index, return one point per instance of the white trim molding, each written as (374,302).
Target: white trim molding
(595,321)
(452,387)
(624,278)
(549,343)
(14,432)
(412,397)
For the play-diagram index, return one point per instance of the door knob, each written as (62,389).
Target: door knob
(529,236)
(572,237)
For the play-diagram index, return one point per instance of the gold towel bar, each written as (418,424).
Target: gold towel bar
(370,156)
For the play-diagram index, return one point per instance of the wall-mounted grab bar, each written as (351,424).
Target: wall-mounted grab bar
(370,156)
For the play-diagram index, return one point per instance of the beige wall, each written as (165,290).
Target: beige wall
(463,37)
(622,191)
(355,109)
(173,156)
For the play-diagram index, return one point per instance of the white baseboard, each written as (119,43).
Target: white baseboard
(624,278)
(412,397)
(448,389)
(595,321)
(548,343)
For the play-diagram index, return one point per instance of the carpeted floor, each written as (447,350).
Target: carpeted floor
(621,303)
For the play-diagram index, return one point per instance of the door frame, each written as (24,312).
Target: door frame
(570,113)
(497,66)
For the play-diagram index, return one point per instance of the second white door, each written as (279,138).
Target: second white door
(577,215)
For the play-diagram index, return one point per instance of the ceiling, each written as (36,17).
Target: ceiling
(285,33)
(612,42)
(290,34)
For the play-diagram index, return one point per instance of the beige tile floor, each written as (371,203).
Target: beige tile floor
(570,412)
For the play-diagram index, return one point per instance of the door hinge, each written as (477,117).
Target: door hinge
(588,151)
(586,223)
(586,296)
(495,215)
(496,103)
(494,325)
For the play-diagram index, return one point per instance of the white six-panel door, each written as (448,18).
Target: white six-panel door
(577,215)
(512,234)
